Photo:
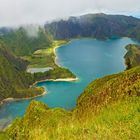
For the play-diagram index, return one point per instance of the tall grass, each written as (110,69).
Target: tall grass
(108,109)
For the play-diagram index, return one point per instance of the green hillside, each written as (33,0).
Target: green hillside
(108,109)
(22,43)
(44,57)
(132,57)
(32,44)
(14,81)
(102,112)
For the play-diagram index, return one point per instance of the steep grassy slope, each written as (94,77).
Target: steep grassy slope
(100,26)
(132,57)
(109,89)
(109,108)
(14,81)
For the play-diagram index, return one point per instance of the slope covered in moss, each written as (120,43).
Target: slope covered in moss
(109,108)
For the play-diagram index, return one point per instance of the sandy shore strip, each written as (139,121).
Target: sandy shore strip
(45,92)
(65,79)
(57,80)
(55,53)
(20,99)
(56,57)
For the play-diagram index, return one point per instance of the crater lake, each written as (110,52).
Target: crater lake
(88,59)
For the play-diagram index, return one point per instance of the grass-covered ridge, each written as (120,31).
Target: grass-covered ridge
(109,108)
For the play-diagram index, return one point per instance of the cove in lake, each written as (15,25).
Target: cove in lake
(89,59)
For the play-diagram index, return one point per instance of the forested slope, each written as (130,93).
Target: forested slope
(14,81)
(99,26)
(23,43)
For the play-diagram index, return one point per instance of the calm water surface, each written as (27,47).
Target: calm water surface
(88,59)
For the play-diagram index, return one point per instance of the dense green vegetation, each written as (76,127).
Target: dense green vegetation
(4,136)
(56,73)
(109,108)
(22,43)
(44,57)
(14,81)
(102,112)
(100,26)
(132,57)
(32,44)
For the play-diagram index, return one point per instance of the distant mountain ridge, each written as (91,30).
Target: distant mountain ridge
(100,26)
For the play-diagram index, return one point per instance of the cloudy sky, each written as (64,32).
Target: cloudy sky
(15,12)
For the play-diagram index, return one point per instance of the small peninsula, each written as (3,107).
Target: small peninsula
(15,61)
(45,57)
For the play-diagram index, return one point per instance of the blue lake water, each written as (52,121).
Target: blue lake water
(88,59)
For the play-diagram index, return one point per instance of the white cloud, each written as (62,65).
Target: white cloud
(14,12)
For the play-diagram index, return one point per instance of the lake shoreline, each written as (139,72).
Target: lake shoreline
(7,100)
(59,79)
(55,80)
(69,79)
(55,53)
